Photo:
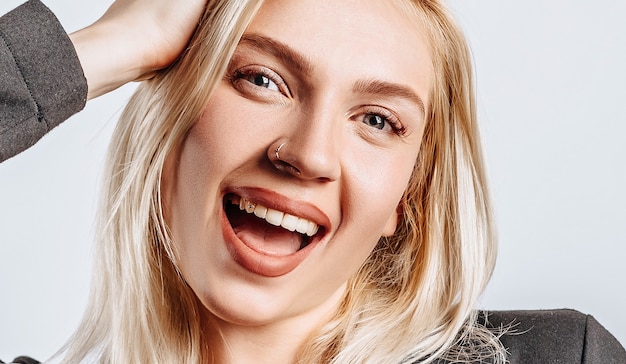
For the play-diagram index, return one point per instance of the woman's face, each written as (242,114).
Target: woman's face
(341,87)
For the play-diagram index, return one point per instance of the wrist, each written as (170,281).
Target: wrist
(108,57)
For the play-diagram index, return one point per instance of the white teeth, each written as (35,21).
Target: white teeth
(313,228)
(274,217)
(277,218)
(303,226)
(260,211)
(289,222)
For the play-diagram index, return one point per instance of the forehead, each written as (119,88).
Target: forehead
(377,39)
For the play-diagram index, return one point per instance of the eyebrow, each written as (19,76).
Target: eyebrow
(303,65)
(279,50)
(373,86)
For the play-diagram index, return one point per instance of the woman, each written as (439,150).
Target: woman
(276,196)
(285,130)
(320,111)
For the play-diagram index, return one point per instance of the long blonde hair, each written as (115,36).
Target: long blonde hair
(412,300)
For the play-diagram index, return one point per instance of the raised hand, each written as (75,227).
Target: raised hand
(133,39)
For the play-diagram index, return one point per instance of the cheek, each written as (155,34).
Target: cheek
(185,174)
(209,148)
(190,185)
(379,180)
(374,187)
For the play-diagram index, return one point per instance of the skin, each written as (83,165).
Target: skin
(335,167)
(134,39)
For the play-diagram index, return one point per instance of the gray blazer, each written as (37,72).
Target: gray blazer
(556,336)
(41,79)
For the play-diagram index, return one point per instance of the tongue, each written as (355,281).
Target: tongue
(263,237)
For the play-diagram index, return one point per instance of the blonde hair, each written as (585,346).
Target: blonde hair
(412,300)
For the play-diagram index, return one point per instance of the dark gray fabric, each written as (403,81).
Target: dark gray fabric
(556,336)
(598,342)
(41,79)
(22,360)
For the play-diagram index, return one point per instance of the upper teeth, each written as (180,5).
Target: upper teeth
(277,218)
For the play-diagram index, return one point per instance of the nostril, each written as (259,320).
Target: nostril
(286,167)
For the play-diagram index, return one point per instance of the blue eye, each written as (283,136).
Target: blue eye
(375,120)
(381,119)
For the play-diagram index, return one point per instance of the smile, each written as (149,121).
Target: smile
(269,234)
(275,217)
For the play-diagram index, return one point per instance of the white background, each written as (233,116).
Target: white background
(551,91)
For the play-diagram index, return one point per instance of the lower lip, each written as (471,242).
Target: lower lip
(258,262)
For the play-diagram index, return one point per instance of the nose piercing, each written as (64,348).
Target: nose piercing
(278,150)
(281,165)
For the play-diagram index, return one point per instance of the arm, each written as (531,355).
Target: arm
(46,76)
(134,39)
(41,81)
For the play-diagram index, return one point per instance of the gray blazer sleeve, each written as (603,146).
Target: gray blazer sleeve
(41,79)
(556,336)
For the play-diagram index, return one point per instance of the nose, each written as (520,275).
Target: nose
(309,151)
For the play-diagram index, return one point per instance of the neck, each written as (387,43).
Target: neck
(276,342)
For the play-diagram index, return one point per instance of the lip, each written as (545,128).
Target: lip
(259,262)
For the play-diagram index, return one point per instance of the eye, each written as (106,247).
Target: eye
(382,119)
(374,120)
(259,80)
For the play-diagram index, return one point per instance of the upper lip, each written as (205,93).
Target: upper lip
(276,201)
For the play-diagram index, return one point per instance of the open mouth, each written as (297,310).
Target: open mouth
(266,230)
